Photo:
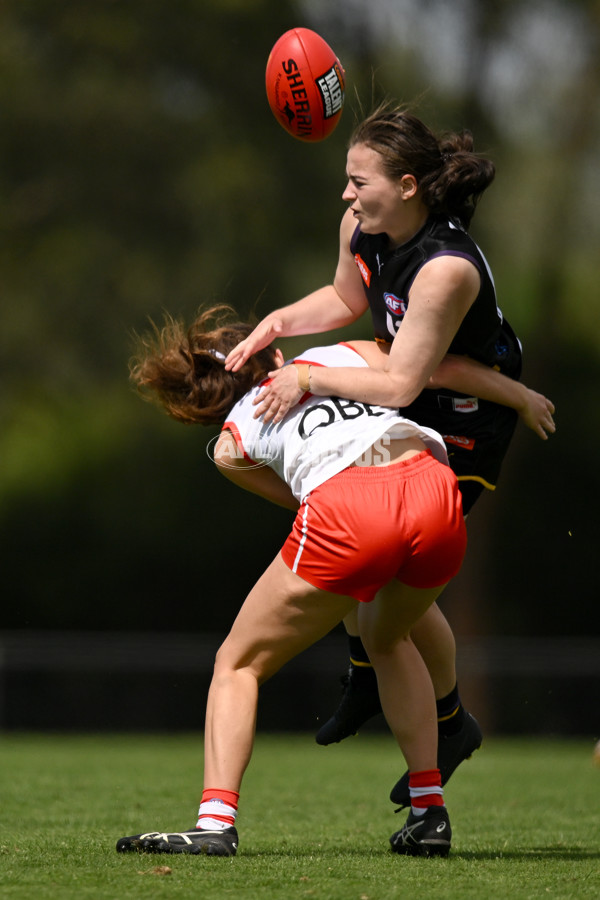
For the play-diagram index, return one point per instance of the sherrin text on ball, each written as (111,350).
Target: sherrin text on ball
(305,84)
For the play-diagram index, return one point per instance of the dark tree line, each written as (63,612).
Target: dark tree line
(141,170)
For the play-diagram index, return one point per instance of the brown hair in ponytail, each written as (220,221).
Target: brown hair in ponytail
(450,176)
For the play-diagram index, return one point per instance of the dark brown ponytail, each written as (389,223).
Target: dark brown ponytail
(461,181)
(450,176)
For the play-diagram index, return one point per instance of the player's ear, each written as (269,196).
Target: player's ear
(408,186)
(279,360)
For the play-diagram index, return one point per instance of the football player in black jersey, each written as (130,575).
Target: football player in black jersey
(406,255)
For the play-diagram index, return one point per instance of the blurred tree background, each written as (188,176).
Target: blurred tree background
(141,170)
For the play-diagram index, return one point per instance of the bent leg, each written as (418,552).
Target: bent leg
(405,688)
(281,616)
(434,639)
(351,622)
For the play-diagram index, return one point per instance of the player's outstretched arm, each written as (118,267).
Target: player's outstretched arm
(332,306)
(323,310)
(441,295)
(458,373)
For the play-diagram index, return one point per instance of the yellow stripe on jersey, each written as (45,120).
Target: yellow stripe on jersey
(486,484)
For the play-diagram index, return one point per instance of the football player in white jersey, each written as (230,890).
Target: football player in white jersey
(376,502)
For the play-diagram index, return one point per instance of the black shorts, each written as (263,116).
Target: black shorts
(476,434)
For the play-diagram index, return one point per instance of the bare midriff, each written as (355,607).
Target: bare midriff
(387,452)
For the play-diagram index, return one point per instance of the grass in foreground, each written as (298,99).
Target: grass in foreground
(314,822)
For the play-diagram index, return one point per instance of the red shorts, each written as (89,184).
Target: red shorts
(367,525)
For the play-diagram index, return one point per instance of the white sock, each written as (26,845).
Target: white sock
(208,812)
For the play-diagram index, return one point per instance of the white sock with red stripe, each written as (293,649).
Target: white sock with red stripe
(425,790)
(218,809)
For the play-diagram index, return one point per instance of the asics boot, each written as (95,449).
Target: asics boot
(426,835)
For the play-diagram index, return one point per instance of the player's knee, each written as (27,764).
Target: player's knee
(382,643)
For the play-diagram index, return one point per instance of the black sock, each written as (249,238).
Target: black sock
(360,665)
(358,654)
(450,712)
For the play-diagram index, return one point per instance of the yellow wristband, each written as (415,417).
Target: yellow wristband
(303,377)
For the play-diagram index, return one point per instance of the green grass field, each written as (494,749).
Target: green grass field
(314,822)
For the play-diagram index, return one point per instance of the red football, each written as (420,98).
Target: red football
(305,84)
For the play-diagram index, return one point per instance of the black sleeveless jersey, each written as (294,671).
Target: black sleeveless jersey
(476,432)
(388,275)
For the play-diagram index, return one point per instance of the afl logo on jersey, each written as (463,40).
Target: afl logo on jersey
(396,307)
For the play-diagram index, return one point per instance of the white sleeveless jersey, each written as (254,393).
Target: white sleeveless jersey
(323,435)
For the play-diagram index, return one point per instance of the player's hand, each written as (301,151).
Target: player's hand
(264,334)
(279,395)
(537,413)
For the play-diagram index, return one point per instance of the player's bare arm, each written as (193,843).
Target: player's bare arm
(458,373)
(331,306)
(261,480)
(441,296)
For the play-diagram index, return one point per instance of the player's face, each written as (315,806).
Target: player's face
(376,200)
